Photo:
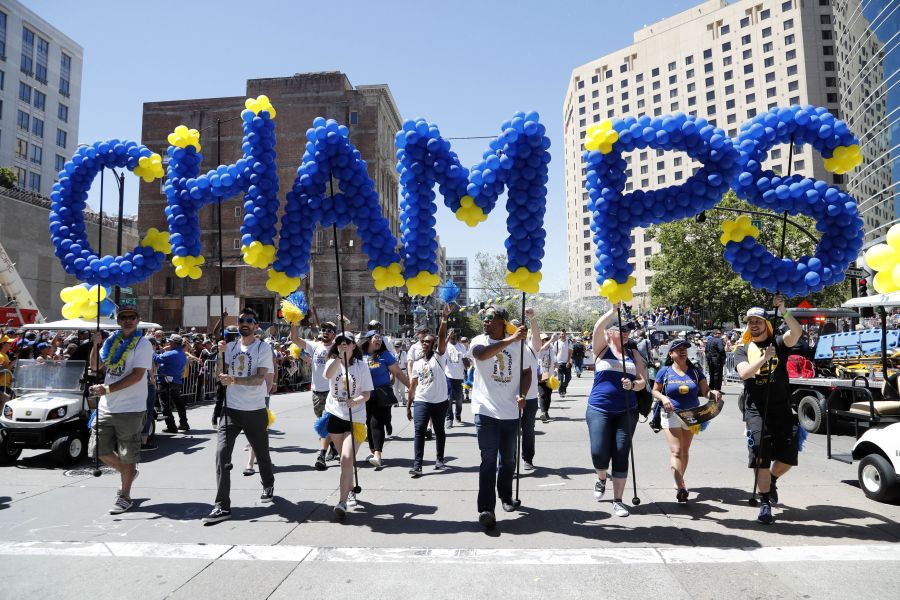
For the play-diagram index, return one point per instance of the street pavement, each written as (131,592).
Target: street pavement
(420,538)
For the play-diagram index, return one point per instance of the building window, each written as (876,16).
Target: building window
(707,53)
(792,69)
(826,34)
(830,82)
(767,47)
(789,39)
(595,94)
(37,154)
(770,77)
(729,104)
(709,81)
(745,22)
(692,101)
(654,72)
(829,66)
(581,98)
(65,74)
(707,68)
(672,66)
(639,77)
(711,110)
(354,117)
(792,54)
(25,92)
(826,50)
(673,79)
(60,138)
(799,165)
(731,119)
(581,111)
(657,98)
(748,83)
(729,89)
(751,98)
(787,5)
(748,69)
(623,68)
(691,87)
(624,95)
(655,85)
(21,149)
(21,176)
(34,182)
(657,112)
(831,97)
(793,86)
(595,79)
(789,24)
(794,100)
(639,90)
(726,47)
(580,84)
(745,39)
(764,14)
(689,74)
(37,127)
(607,74)
(688,60)
(770,93)
(624,108)
(726,61)
(40,100)
(673,92)
(766,32)
(23,120)
(729,74)
(724,30)
(59,163)
(825,19)
(27,64)
(660,179)
(2,35)
(776,153)
(746,54)
(751,113)
(673,106)
(640,103)
(43,54)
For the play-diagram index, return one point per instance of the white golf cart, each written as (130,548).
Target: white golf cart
(50,409)
(878,448)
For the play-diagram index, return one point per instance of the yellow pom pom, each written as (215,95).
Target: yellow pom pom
(271,416)
(296,351)
(359,431)
(553,382)
(291,313)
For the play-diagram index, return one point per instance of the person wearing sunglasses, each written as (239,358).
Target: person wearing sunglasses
(349,388)
(499,389)
(428,395)
(124,359)
(249,360)
(319,351)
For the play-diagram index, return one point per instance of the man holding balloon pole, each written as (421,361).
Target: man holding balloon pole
(773,432)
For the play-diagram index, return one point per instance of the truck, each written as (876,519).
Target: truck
(21,308)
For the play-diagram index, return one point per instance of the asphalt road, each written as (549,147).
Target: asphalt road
(420,538)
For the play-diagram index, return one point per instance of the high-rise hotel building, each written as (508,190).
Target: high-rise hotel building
(723,61)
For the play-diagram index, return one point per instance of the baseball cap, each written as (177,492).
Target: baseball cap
(682,343)
(756,311)
(42,346)
(176,339)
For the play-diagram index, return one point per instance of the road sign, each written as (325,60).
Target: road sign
(126,290)
(756,223)
(856,273)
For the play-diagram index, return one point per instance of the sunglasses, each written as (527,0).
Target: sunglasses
(127,317)
(246,320)
(345,342)
(488,318)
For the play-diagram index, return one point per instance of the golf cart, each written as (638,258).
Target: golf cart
(50,411)
(878,448)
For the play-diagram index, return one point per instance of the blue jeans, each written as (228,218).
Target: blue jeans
(456,398)
(496,439)
(422,413)
(528,415)
(578,363)
(150,415)
(611,439)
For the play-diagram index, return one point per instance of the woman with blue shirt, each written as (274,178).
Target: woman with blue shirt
(612,406)
(382,364)
(679,384)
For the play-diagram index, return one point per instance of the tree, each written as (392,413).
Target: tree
(490,278)
(8,178)
(690,267)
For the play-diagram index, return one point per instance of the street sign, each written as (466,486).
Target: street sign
(126,290)
(856,273)
(127,302)
(756,223)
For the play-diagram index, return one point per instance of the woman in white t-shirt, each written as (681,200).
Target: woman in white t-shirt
(348,392)
(428,398)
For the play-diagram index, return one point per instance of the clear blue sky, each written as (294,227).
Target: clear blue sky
(464,65)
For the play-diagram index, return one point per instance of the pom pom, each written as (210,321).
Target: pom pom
(321,425)
(449,292)
(294,307)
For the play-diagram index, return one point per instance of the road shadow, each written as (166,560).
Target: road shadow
(5,502)
(167,445)
(294,512)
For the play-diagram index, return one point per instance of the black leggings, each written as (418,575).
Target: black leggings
(545,394)
(378,418)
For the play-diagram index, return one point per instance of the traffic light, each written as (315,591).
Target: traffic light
(863,288)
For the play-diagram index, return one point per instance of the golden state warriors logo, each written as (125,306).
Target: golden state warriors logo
(502,367)
(754,353)
(683,389)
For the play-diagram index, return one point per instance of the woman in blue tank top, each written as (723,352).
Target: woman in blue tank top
(612,406)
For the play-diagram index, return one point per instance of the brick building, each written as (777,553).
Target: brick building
(373,118)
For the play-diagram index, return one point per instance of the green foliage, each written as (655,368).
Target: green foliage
(8,178)
(690,269)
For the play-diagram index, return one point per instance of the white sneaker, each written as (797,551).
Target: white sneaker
(599,489)
(620,509)
(340,509)
(351,500)
(375,462)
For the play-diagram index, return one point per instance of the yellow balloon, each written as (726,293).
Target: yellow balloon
(271,416)
(882,257)
(893,237)
(884,282)
(88,311)
(70,311)
(895,275)
(67,294)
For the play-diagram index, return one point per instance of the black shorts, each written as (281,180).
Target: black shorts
(338,425)
(781,437)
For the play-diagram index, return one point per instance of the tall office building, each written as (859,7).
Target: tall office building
(373,118)
(868,62)
(723,61)
(458,273)
(40,97)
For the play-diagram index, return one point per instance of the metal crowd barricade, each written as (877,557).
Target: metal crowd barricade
(192,380)
(731,373)
(293,374)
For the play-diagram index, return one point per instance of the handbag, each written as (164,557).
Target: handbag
(644,398)
(384,396)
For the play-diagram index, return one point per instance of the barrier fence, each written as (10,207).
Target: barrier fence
(199,385)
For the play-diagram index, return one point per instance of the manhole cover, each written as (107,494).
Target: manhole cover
(89,471)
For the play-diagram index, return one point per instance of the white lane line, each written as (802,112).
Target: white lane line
(575,556)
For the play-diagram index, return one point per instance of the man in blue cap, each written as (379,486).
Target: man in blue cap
(773,428)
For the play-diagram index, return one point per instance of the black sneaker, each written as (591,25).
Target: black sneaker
(681,495)
(449,424)
(268,494)
(508,505)
(416,472)
(599,489)
(773,492)
(217,515)
(528,466)
(487,519)
(765,514)
(332,456)
(545,418)
(321,465)
(184,426)
(439,465)
(149,446)
(429,434)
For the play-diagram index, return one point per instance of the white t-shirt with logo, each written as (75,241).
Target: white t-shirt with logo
(531,362)
(455,367)
(414,353)
(561,349)
(547,361)
(358,379)
(244,361)
(496,381)
(319,357)
(432,379)
(134,397)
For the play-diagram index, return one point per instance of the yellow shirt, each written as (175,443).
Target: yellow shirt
(5,378)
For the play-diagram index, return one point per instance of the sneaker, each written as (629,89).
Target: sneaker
(773,492)
(321,465)
(620,509)
(508,505)
(487,519)
(449,424)
(376,462)
(439,465)
(149,446)
(121,505)
(599,489)
(459,421)
(388,429)
(429,434)
(171,429)
(340,510)
(562,394)
(681,495)
(332,456)
(351,500)
(528,466)
(545,418)
(416,472)
(217,515)
(184,426)
(765,514)
(268,494)
(248,471)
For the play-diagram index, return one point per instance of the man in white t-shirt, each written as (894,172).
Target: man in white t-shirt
(562,352)
(399,388)
(500,385)
(319,385)
(249,360)
(125,357)
(457,363)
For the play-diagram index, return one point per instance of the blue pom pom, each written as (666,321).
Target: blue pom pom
(321,425)
(449,292)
